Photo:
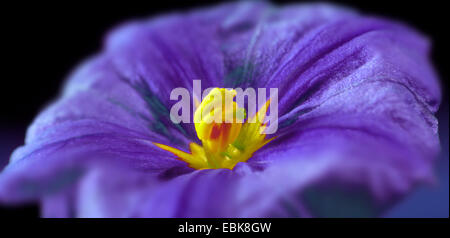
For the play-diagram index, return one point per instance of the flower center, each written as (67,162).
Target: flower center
(226,139)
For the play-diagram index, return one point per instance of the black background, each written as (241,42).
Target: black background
(43,42)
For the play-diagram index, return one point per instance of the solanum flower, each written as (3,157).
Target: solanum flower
(356,129)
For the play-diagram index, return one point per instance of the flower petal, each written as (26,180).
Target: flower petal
(203,193)
(97,116)
(42,169)
(359,89)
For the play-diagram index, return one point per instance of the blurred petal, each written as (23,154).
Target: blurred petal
(112,192)
(242,192)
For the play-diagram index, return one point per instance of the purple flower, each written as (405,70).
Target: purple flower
(357,96)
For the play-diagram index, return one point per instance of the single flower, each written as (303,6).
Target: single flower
(357,97)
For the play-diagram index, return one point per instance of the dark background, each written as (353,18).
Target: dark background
(43,42)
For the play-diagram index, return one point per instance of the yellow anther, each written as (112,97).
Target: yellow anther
(218,120)
(226,141)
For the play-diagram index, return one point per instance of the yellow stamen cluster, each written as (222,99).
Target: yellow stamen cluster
(226,140)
